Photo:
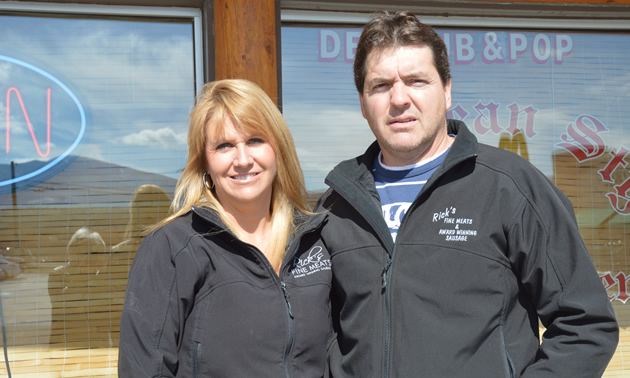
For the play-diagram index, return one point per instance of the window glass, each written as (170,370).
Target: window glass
(557,98)
(93,125)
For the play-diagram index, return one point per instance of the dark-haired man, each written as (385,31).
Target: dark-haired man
(446,253)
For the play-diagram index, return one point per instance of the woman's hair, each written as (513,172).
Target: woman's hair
(149,205)
(250,109)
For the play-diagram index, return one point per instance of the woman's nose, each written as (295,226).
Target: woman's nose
(243,156)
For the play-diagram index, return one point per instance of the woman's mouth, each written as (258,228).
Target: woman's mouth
(244,177)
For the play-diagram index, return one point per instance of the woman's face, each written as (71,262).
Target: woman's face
(241,165)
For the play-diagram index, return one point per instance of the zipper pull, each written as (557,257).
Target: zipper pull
(384,273)
(286,297)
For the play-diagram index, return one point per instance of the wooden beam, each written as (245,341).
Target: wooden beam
(245,42)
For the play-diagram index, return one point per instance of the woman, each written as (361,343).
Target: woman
(236,282)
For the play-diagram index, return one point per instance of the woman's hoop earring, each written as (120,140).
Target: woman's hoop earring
(205,183)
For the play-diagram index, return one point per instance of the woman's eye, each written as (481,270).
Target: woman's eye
(256,141)
(223,146)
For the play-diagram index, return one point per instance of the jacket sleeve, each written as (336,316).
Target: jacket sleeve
(160,293)
(554,266)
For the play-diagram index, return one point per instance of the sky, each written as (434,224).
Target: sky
(135,82)
(133,79)
(560,76)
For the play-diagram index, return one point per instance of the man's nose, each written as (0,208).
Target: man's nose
(399,95)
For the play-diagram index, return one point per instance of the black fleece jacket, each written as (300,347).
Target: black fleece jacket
(488,247)
(201,303)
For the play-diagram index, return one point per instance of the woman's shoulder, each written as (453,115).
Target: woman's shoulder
(177,231)
(313,219)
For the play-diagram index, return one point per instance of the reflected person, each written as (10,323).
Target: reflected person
(76,289)
(236,282)
(447,252)
(149,205)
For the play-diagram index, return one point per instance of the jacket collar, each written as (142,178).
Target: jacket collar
(465,145)
(355,170)
(303,222)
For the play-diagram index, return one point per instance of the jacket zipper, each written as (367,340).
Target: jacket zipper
(287,299)
(278,278)
(385,273)
(287,352)
(196,359)
(386,280)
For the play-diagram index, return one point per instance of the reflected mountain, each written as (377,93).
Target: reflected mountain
(84,181)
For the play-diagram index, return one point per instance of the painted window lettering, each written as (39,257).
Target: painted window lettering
(618,282)
(490,47)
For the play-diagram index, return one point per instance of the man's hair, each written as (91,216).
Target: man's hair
(399,29)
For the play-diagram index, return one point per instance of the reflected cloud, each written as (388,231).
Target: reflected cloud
(133,73)
(92,151)
(164,138)
(5,70)
(326,137)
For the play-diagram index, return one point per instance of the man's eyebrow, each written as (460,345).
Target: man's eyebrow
(378,79)
(414,75)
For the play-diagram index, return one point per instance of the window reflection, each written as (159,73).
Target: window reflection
(554,97)
(69,233)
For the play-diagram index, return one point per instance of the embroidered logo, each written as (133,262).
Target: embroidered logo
(313,262)
(455,228)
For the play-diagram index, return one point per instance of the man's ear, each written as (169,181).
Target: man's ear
(447,94)
(362,107)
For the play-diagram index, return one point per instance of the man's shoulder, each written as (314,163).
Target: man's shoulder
(500,158)
(519,170)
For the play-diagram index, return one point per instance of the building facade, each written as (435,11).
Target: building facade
(94,104)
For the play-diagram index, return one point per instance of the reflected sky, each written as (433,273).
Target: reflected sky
(135,78)
(497,76)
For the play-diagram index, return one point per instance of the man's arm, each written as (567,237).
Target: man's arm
(554,266)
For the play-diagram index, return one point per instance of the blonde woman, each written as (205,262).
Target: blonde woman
(236,282)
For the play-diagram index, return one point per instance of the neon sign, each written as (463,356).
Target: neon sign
(55,90)
(30,126)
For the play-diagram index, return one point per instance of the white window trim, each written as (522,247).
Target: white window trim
(123,10)
(304,16)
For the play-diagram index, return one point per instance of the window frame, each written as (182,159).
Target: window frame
(294,16)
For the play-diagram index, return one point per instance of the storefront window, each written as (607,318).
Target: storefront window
(557,98)
(93,124)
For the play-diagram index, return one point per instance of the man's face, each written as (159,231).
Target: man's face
(405,104)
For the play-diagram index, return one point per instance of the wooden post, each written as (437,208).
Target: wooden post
(245,42)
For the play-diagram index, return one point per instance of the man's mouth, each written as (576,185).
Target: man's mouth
(402,120)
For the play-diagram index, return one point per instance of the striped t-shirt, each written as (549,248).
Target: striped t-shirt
(399,186)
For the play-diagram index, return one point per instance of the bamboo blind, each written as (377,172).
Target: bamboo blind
(62,311)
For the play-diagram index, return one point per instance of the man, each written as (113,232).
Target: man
(446,253)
